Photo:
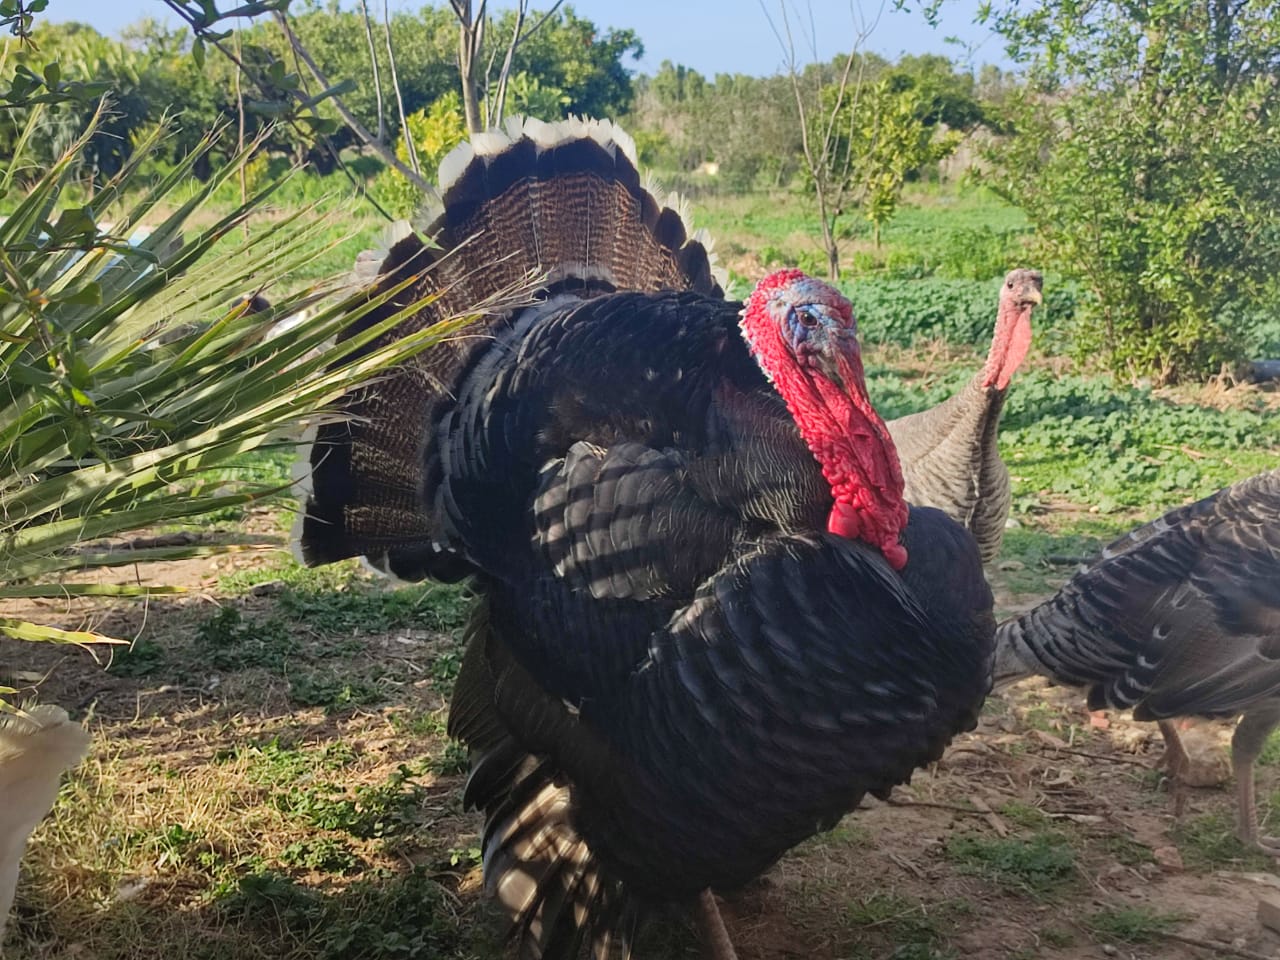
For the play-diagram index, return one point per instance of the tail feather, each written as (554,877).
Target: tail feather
(561,203)
(553,886)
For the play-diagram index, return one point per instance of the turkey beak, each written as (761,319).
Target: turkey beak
(844,365)
(1030,296)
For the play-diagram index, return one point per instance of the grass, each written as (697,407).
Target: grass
(1130,924)
(1209,842)
(1038,867)
(916,930)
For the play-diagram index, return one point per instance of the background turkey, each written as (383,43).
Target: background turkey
(708,622)
(1180,617)
(35,748)
(950,453)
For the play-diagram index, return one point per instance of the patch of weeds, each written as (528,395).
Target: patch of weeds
(1043,717)
(1127,851)
(374,810)
(343,599)
(1024,815)
(916,928)
(332,691)
(451,761)
(1209,841)
(465,857)
(229,642)
(1057,937)
(1038,866)
(1270,755)
(404,916)
(322,854)
(140,659)
(1130,924)
(444,670)
(413,723)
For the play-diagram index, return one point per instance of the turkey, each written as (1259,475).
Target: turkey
(1179,618)
(708,623)
(36,746)
(950,454)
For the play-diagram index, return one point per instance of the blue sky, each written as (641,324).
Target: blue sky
(712,36)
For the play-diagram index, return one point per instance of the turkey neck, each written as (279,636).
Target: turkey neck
(1009,345)
(852,445)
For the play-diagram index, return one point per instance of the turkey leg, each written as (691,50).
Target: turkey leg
(1251,733)
(1175,761)
(713,930)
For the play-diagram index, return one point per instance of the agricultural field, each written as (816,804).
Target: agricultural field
(271,776)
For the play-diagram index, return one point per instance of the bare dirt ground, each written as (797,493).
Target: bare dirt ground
(276,782)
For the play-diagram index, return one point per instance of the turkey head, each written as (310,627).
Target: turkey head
(1019,295)
(803,334)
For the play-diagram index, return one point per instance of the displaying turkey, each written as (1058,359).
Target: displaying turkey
(1179,618)
(708,621)
(950,454)
(35,748)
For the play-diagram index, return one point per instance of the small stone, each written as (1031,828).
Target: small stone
(270,588)
(1269,911)
(1012,565)
(1169,859)
(1109,950)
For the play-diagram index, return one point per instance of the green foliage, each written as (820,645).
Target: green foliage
(434,132)
(1209,842)
(1130,924)
(323,854)
(881,138)
(381,810)
(112,420)
(958,311)
(1038,866)
(1126,447)
(381,917)
(1147,155)
(227,642)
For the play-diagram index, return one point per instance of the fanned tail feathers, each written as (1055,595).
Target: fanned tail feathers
(559,896)
(547,207)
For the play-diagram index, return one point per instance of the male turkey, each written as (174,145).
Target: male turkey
(950,454)
(708,621)
(1181,617)
(35,748)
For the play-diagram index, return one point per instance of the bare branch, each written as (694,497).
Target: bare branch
(500,98)
(470,41)
(359,129)
(827,154)
(410,146)
(377,76)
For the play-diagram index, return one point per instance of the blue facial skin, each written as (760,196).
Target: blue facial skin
(817,334)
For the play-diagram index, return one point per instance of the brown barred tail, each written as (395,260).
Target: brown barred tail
(556,207)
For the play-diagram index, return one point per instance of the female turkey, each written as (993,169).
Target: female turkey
(1179,618)
(950,453)
(709,623)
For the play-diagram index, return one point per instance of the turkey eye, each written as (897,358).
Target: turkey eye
(808,318)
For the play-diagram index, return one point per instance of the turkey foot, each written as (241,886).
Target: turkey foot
(1174,761)
(713,929)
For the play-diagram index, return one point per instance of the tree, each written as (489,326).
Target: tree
(885,137)
(1146,153)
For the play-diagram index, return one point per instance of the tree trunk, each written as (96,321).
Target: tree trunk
(470,39)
